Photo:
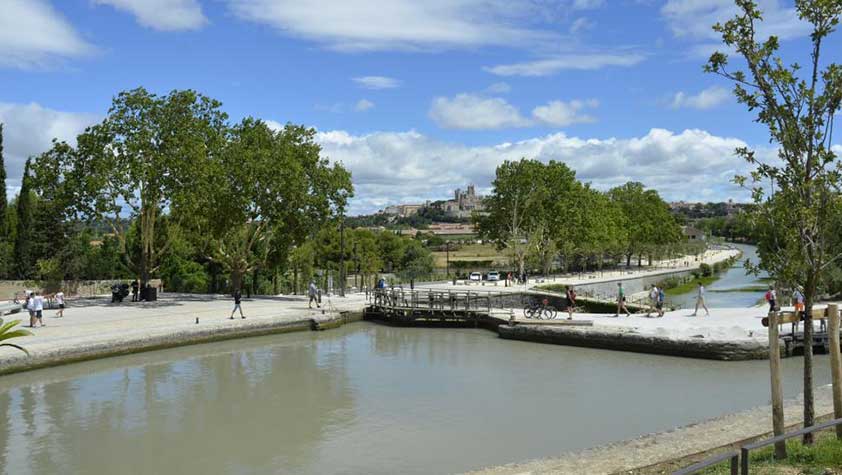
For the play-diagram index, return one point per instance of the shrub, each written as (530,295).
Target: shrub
(705,270)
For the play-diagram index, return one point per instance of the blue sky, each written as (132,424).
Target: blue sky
(416,98)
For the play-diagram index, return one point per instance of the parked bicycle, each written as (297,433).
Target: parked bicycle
(540,310)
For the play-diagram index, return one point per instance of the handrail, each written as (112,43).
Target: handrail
(696,467)
(744,459)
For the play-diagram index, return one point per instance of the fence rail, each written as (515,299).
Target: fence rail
(743,457)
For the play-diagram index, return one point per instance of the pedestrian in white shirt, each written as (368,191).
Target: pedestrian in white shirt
(700,301)
(60,303)
(38,304)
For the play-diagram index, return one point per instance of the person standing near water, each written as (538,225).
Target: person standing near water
(798,300)
(571,301)
(700,301)
(237,306)
(653,300)
(313,292)
(660,305)
(772,298)
(38,306)
(621,301)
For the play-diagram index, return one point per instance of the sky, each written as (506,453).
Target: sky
(415,98)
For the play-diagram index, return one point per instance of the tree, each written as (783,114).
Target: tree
(648,220)
(417,262)
(3,200)
(796,194)
(142,160)
(515,208)
(267,187)
(23,240)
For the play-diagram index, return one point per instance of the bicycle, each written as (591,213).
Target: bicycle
(540,310)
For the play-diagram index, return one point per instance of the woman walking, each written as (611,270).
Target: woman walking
(571,301)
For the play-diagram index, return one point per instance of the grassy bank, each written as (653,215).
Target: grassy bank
(824,457)
(690,285)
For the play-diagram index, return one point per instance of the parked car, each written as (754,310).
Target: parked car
(493,276)
(475,276)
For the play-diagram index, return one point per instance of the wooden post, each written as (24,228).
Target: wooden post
(777,390)
(835,363)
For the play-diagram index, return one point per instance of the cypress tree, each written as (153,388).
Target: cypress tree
(3,202)
(23,241)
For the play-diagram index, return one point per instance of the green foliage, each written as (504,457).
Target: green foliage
(3,199)
(803,459)
(798,207)
(24,235)
(705,269)
(7,333)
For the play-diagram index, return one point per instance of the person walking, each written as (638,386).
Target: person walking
(571,301)
(653,300)
(661,299)
(238,297)
(700,301)
(621,301)
(313,292)
(38,305)
(60,303)
(772,298)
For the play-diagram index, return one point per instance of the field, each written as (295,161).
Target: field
(473,252)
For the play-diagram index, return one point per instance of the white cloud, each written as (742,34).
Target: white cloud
(473,112)
(29,130)
(498,88)
(579,25)
(549,66)
(164,15)
(587,4)
(560,114)
(377,82)
(363,105)
(355,25)
(694,18)
(477,112)
(391,167)
(33,35)
(706,99)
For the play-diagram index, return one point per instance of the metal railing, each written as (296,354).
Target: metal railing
(743,460)
(697,467)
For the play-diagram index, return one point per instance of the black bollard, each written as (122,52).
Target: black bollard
(197,320)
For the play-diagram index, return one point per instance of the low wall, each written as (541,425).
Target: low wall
(626,341)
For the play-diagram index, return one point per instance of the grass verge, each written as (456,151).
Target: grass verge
(823,457)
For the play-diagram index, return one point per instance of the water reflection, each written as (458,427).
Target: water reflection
(361,399)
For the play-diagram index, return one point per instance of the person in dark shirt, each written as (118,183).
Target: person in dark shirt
(237,298)
(135,287)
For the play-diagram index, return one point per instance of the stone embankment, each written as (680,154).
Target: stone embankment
(626,339)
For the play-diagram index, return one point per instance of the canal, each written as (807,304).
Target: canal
(360,399)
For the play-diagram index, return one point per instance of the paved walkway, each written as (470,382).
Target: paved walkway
(93,327)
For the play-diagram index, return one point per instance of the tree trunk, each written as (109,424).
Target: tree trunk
(809,410)
(628,260)
(236,280)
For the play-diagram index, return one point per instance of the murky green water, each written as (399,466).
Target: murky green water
(363,399)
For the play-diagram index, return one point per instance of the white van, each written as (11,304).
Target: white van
(475,276)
